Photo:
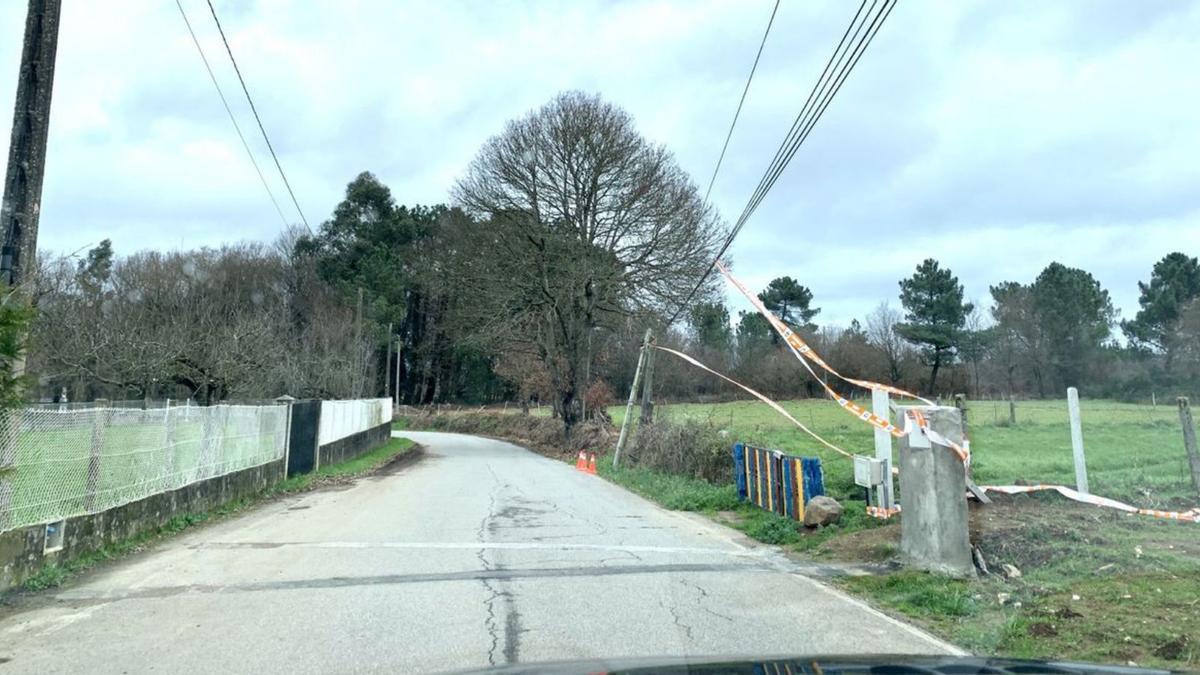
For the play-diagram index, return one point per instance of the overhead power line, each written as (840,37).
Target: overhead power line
(854,42)
(254,110)
(815,107)
(738,112)
(229,111)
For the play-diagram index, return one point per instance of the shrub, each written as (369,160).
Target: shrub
(686,447)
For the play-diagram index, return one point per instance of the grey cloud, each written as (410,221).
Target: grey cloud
(994,136)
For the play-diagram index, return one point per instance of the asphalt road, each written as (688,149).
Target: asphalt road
(480,553)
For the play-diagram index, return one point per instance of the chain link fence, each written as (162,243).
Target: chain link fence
(60,463)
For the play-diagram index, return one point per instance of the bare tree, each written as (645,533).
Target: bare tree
(881,331)
(241,321)
(576,222)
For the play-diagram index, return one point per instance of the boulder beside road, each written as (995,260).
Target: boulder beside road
(822,511)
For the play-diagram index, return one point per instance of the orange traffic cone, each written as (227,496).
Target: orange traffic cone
(591,468)
(581,461)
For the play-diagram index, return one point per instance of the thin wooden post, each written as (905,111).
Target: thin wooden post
(1081,479)
(1189,440)
(1012,410)
(637,374)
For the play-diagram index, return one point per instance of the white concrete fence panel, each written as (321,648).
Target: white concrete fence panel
(340,419)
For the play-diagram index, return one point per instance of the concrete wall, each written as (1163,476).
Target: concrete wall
(21,550)
(352,446)
(340,419)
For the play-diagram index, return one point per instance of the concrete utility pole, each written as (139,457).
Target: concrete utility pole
(637,374)
(648,384)
(933,487)
(22,200)
(1189,440)
(27,152)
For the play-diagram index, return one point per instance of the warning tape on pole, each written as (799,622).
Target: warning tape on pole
(915,420)
(803,352)
(775,406)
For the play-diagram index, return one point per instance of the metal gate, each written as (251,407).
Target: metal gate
(302,448)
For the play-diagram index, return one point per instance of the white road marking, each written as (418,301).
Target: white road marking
(476,545)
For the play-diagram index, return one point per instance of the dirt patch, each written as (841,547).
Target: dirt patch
(1174,650)
(877,544)
(400,462)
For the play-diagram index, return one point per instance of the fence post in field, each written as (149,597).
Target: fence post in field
(1081,479)
(168,447)
(637,374)
(883,445)
(99,422)
(1189,440)
(933,491)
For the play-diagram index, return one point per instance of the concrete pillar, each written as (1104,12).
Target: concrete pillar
(933,493)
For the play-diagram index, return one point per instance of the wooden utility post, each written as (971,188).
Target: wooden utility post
(22,199)
(397,390)
(648,383)
(27,151)
(637,374)
(1189,440)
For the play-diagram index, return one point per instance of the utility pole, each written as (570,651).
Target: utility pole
(387,364)
(397,390)
(648,384)
(22,200)
(360,354)
(637,374)
(27,152)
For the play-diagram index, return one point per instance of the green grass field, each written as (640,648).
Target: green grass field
(1134,452)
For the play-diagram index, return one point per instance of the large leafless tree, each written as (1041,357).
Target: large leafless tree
(576,223)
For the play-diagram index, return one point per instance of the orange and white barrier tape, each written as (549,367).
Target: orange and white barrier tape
(915,420)
(803,352)
(882,513)
(1192,516)
(775,406)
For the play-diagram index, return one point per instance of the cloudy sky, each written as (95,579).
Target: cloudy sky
(995,137)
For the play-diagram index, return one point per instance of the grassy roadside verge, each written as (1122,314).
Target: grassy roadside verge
(55,575)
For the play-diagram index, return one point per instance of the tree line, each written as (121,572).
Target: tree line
(566,237)
(1034,339)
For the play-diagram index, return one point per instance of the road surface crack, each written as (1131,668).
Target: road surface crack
(675,617)
(512,619)
(702,597)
